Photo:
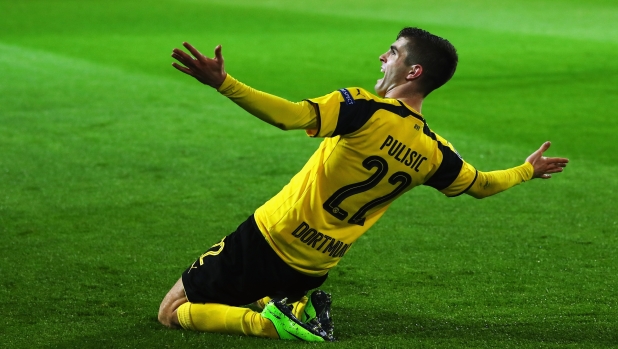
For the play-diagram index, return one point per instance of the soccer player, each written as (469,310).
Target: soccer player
(375,149)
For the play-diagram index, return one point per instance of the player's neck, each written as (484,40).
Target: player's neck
(414,100)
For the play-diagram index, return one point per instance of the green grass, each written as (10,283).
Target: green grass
(116,171)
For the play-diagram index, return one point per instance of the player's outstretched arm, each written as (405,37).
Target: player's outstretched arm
(544,166)
(536,166)
(269,108)
(208,71)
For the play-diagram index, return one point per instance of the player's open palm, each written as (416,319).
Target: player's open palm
(544,166)
(209,71)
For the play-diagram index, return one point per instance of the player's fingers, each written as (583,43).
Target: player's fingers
(183,58)
(542,149)
(557,164)
(181,53)
(182,69)
(554,170)
(197,54)
(557,160)
(538,153)
(218,54)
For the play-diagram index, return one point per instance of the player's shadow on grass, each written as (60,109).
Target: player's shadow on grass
(352,323)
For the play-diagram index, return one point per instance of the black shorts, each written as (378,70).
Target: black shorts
(242,269)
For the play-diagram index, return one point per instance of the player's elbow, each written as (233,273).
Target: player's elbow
(282,127)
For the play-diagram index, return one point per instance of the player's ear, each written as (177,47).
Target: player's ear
(414,72)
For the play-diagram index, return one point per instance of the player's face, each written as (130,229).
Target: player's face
(394,68)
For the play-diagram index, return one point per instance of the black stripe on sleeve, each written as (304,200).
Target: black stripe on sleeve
(318,117)
(476,175)
(354,114)
(449,168)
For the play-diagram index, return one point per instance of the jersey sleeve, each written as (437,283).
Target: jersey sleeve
(490,183)
(269,108)
(453,176)
(466,177)
(340,113)
(327,108)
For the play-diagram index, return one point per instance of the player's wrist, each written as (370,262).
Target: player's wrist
(529,172)
(217,85)
(226,85)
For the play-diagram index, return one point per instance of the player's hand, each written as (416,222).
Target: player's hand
(209,71)
(544,166)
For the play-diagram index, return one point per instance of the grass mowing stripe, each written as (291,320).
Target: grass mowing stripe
(590,20)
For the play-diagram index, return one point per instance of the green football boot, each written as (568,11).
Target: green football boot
(317,311)
(289,326)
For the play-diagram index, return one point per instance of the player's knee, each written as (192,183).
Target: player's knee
(167,315)
(164,317)
(167,310)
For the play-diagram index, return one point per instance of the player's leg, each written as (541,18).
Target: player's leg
(276,321)
(221,318)
(176,312)
(169,306)
(228,274)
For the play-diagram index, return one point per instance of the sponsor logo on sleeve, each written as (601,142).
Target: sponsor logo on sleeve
(454,150)
(347,96)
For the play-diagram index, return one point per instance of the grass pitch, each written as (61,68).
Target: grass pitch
(116,171)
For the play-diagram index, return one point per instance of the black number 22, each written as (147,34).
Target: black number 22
(332,204)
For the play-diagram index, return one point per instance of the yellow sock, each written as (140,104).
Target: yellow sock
(262,302)
(221,318)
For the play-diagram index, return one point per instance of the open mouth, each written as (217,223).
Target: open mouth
(383,72)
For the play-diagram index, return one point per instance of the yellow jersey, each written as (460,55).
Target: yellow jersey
(374,150)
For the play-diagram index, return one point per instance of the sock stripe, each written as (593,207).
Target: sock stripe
(184,316)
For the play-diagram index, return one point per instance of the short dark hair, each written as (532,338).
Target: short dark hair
(436,55)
